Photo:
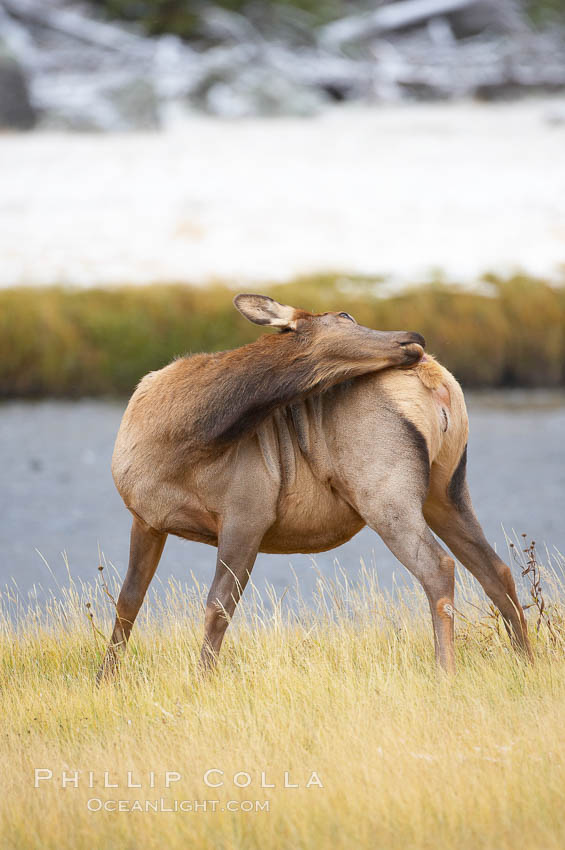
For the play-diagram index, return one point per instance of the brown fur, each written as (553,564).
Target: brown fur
(293,444)
(430,372)
(215,398)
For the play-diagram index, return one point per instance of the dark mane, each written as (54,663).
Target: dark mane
(240,388)
(207,400)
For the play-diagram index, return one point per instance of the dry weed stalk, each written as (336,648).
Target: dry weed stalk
(533,572)
(96,631)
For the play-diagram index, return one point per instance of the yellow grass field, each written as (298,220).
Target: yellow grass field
(343,697)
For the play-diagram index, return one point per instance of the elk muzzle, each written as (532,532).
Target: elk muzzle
(413,345)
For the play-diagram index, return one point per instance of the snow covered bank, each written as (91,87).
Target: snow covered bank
(397,190)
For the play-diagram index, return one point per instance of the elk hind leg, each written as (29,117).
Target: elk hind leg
(454,521)
(404,530)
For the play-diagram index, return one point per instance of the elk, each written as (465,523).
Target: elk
(292,444)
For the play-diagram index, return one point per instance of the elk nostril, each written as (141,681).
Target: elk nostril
(412,338)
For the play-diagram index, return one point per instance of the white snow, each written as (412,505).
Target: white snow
(395,190)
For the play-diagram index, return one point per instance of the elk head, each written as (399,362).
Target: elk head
(334,342)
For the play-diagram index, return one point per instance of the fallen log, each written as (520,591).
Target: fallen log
(393,16)
(79,27)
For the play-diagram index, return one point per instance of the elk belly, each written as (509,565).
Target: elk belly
(311,520)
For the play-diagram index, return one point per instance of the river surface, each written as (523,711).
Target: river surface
(57,495)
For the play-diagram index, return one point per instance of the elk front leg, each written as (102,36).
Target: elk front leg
(146,547)
(238,545)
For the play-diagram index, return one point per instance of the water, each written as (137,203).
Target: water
(57,494)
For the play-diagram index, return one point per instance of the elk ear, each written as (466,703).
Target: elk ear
(262,310)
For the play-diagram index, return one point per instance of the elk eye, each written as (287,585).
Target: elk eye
(346,316)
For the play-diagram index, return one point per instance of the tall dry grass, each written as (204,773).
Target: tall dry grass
(64,342)
(345,687)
